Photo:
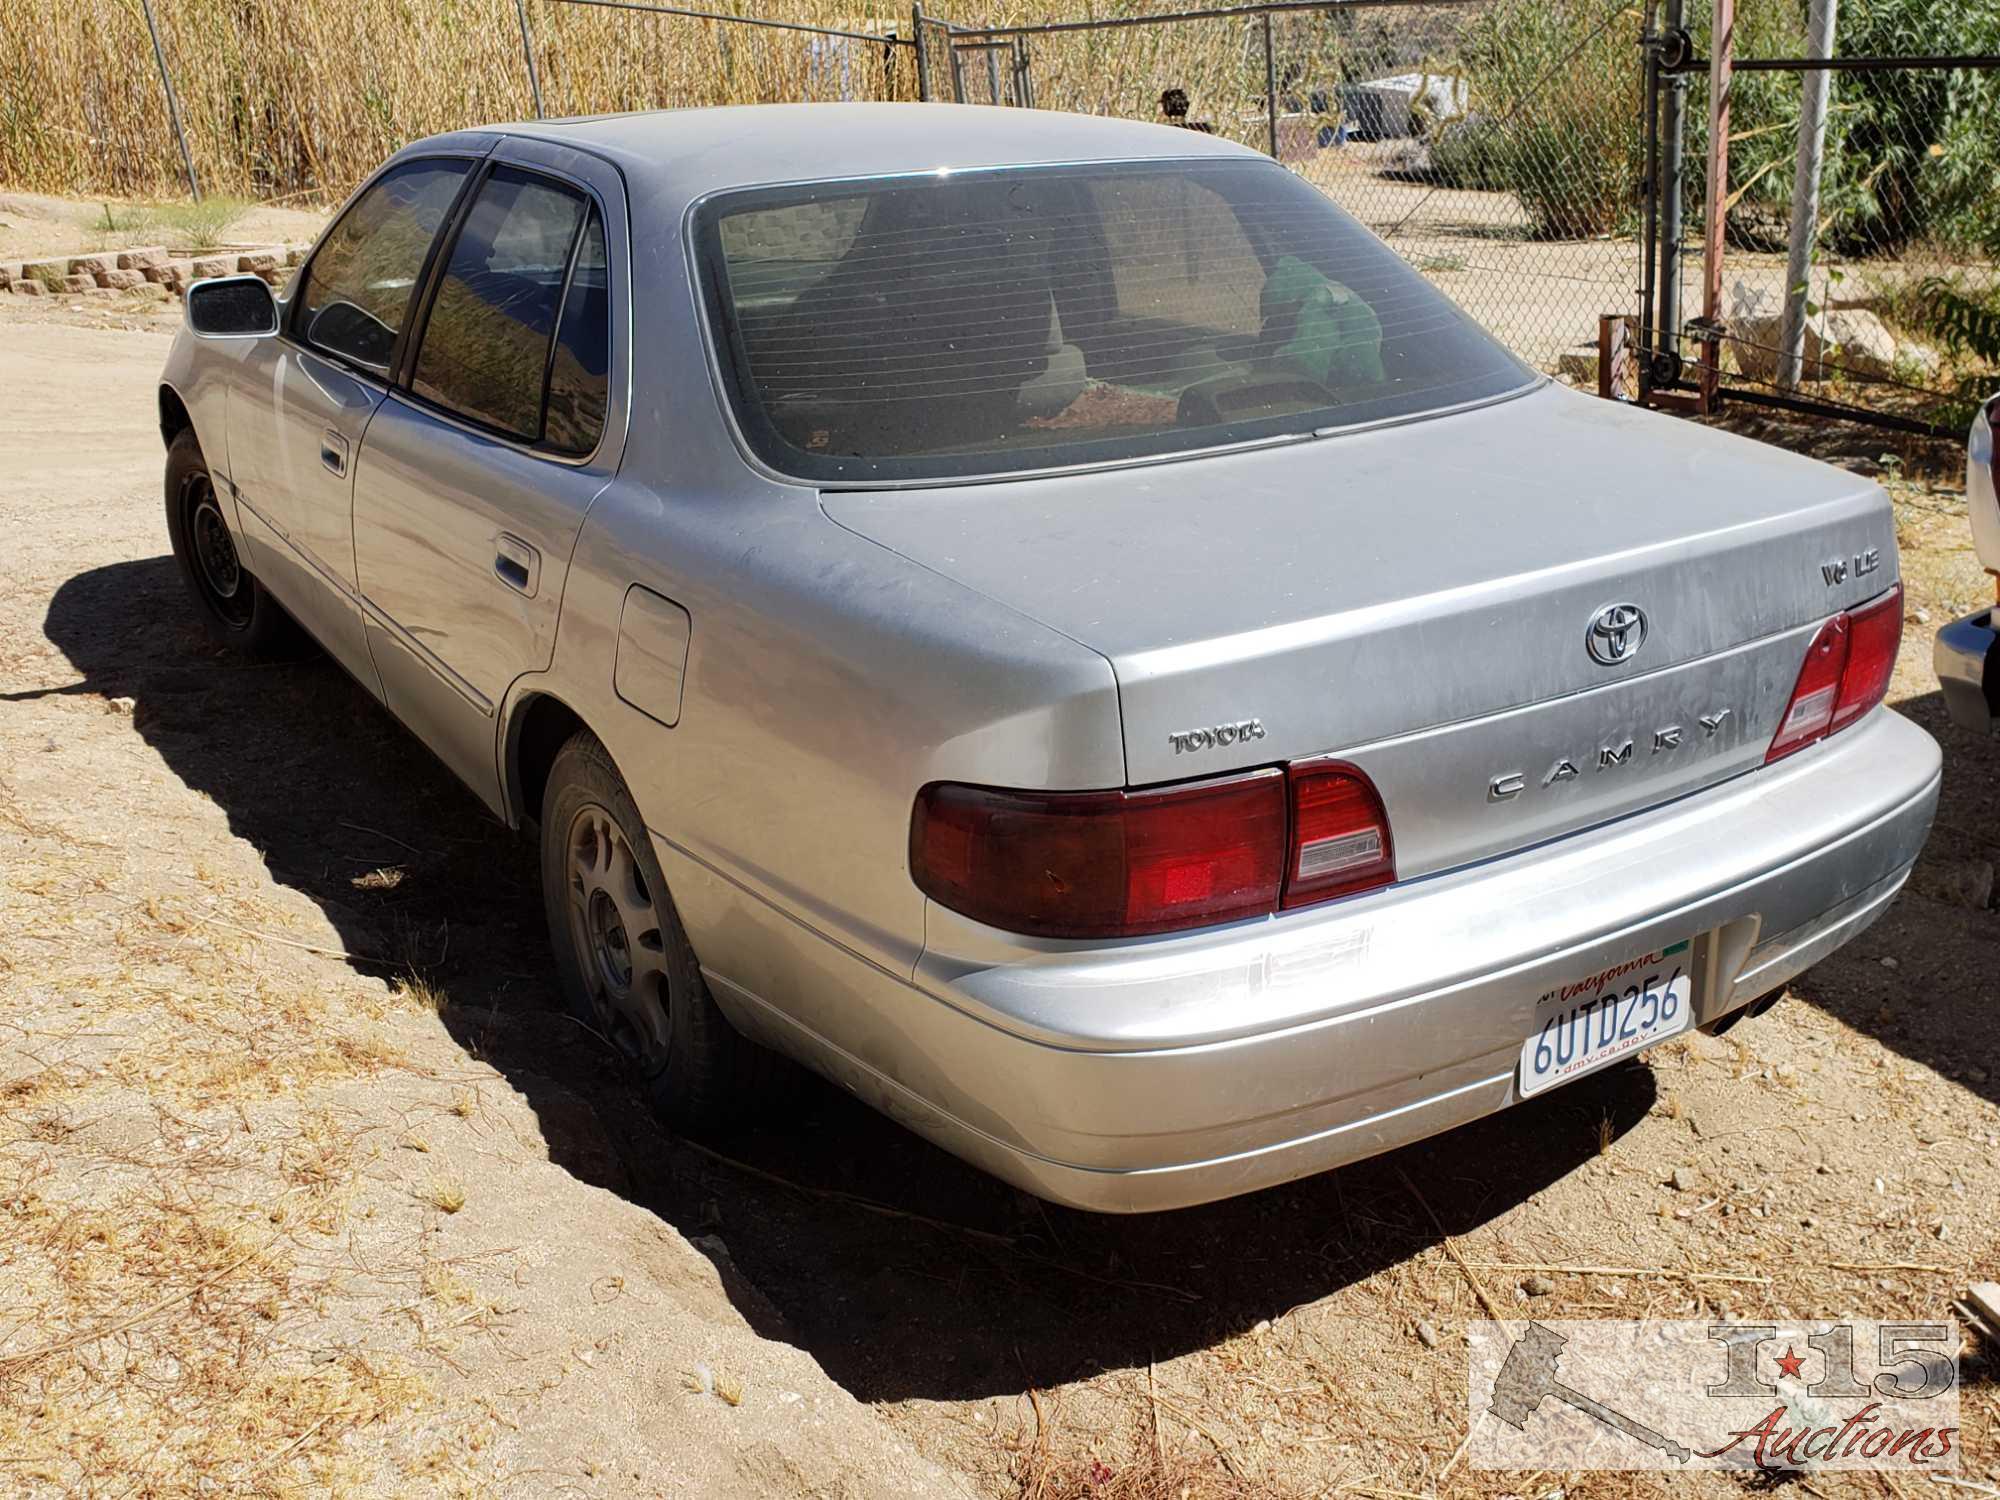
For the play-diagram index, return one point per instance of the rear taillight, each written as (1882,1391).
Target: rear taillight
(1846,673)
(1122,864)
(1874,635)
(1340,835)
(1103,864)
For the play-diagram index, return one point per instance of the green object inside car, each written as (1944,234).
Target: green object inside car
(1328,334)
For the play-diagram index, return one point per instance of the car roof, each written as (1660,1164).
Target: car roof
(686,153)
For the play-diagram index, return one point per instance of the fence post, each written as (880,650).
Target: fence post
(528,52)
(1673,162)
(1721,61)
(1270,87)
(1820,25)
(957,66)
(1024,90)
(923,52)
(173,104)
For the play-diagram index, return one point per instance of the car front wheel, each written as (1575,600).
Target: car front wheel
(235,608)
(626,967)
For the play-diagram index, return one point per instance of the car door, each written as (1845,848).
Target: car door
(504,426)
(302,402)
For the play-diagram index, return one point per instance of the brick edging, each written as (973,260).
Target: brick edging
(133,270)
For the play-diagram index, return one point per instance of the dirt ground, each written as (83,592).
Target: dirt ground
(277,998)
(33,226)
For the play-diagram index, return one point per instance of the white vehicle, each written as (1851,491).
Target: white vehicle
(1967,654)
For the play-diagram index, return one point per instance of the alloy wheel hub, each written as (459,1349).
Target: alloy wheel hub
(619,936)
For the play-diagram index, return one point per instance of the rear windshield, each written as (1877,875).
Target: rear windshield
(953,325)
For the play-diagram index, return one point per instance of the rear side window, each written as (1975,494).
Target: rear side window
(356,292)
(486,343)
(580,371)
(1005,321)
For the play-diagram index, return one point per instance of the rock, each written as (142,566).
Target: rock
(1971,884)
(1849,341)
(90,265)
(79,283)
(1426,1335)
(151,291)
(260,262)
(1684,1180)
(295,255)
(204,266)
(1538,1286)
(121,281)
(1862,345)
(1890,963)
(30,289)
(48,272)
(8,276)
(142,258)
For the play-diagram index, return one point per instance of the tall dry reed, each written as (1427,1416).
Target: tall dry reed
(304,97)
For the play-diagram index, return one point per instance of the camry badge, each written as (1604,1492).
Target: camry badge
(1616,633)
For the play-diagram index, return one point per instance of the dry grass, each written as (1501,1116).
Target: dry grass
(176,1194)
(445,1194)
(305,97)
(301,98)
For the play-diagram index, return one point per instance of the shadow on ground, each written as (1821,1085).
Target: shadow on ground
(904,1272)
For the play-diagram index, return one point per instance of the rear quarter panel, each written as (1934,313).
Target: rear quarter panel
(827,680)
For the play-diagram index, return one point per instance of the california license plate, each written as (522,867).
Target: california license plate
(1613,1013)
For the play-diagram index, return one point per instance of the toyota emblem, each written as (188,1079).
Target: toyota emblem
(1616,633)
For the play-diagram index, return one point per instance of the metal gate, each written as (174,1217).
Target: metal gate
(1823,233)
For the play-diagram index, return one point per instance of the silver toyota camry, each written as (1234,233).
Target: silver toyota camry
(1049,623)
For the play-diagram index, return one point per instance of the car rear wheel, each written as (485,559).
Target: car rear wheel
(626,967)
(234,607)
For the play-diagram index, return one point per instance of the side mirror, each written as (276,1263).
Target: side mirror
(232,307)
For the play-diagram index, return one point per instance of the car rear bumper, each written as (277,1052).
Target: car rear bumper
(1967,657)
(1162,1072)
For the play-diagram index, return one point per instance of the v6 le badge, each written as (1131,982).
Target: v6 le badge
(1840,569)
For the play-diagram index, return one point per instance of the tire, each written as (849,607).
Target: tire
(235,608)
(624,961)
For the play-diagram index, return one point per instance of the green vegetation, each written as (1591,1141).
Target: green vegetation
(203,225)
(1553,98)
(120,223)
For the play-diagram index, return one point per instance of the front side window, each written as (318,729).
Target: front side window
(486,342)
(1005,321)
(356,292)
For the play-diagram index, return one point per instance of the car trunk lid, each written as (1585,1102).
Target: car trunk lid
(1419,599)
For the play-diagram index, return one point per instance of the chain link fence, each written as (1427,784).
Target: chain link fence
(1494,143)
(1512,150)
(1863,185)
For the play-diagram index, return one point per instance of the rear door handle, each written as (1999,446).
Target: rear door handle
(333,452)
(516,564)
